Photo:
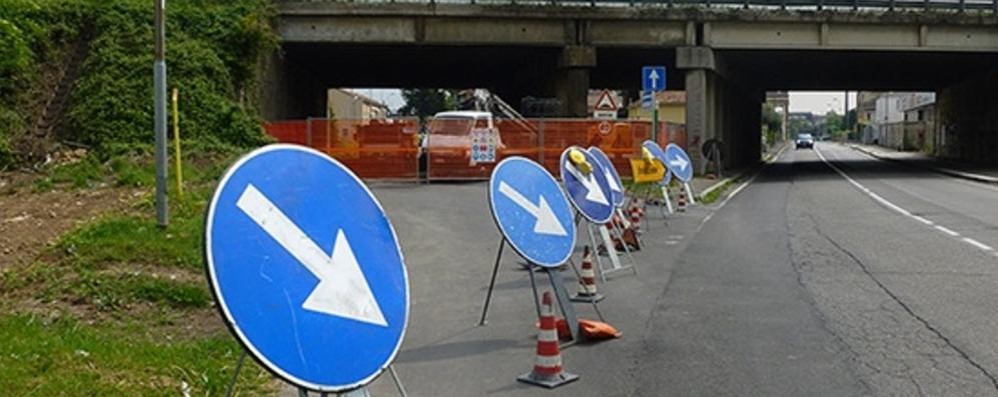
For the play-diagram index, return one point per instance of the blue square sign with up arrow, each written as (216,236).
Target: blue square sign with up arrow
(653,78)
(306,268)
(532,212)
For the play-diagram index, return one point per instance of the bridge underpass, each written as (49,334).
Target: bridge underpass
(724,58)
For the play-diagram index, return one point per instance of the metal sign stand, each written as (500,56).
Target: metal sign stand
(557,284)
(362,391)
(620,235)
(668,201)
(689,193)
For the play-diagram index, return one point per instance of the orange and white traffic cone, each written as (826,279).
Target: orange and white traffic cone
(636,213)
(587,280)
(547,367)
(681,201)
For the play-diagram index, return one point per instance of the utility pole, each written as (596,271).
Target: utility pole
(159,89)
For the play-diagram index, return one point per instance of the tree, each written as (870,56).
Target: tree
(772,120)
(834,122)
(423,102)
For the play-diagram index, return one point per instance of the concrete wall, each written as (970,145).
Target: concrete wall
(967,119)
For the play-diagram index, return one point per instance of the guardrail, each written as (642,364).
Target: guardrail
(889,5)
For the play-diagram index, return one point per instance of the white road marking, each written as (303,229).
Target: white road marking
(977,244)
(947,231)
(902,211)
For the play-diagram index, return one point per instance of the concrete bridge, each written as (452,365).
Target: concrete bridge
(726,57)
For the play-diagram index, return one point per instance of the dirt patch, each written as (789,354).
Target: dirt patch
(31,221)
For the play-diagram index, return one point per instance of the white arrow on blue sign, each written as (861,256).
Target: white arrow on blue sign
(306,268)
(590,193)
(612,177)
(678,162)
(658,153)
(531,211)
(653,78)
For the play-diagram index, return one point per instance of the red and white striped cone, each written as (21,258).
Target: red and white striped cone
(636,214)
(547,366)
(681,201)
(587,280)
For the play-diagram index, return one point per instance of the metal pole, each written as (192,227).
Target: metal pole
(159,88)
(235,376)
(654,117)
(398,383)
(492,284)
(178,159)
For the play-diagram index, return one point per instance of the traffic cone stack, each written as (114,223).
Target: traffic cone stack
(587,280)
(547,367)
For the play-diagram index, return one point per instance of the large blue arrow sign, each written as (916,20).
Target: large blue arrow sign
(306,268)
(532,212)
(590,193)
(678,162)
(612,177)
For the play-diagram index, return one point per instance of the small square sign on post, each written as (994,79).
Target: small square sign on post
(653,78)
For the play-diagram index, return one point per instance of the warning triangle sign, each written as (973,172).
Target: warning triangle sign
(606,102)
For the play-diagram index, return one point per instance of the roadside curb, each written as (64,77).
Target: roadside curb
(717,185)
(945,171)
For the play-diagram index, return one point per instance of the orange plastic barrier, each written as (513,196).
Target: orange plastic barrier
(392,149)
(288,131)
(372,149)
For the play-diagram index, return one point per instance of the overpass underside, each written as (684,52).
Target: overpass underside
(726,59)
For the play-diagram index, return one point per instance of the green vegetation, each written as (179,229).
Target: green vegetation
(214,49)
(140,288)
(712,196)
(60,356)
(119,306)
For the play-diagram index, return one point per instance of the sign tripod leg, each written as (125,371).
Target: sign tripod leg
(492,284)
(235,376)
(533,286)
(398,382)
(689,193)
(668,201)
(627,249)
(599,260)
(567,310)
(593,301)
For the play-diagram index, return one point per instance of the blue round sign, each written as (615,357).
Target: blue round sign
(590,193)
(306,268)
(612,177)
(532,212)
(678,162)
(659,154)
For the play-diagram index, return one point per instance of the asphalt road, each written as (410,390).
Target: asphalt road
(847,277)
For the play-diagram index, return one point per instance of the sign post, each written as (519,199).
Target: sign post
(535,219)
(653,82)
(306,269)
(659,154)
(679,163)
(589,191)
(616,196)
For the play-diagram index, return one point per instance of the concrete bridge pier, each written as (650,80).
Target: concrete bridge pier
(572,79)
(967,119)
(719,106)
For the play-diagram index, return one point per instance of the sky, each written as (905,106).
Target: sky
(819,102)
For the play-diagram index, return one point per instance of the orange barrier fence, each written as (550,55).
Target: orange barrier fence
(456,149)
(373,149)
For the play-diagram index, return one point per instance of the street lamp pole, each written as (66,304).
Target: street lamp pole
(159,89)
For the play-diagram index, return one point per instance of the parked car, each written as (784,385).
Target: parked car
(805,140)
